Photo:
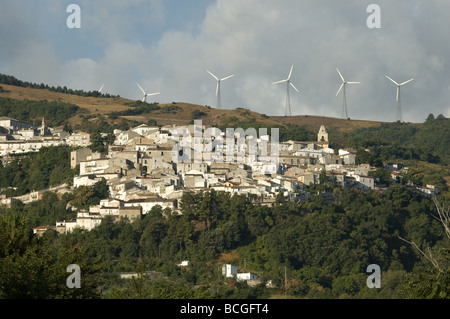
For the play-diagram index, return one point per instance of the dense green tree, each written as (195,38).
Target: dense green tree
(31,269)
(85,196)
(37,171)
(382,176)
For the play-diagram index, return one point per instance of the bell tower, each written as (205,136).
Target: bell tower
(322,136)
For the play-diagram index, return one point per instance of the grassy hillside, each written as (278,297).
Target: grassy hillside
(176,112)
(314,122)
(90,105)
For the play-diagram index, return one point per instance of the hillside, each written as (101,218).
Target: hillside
(316,248)
(176,112)
(92,105)
(314,122)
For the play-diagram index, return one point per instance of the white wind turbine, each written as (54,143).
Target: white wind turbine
(288,99)
(219,102)
(146,94)
(344,103)
(399,105)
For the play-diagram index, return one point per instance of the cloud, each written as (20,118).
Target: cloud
(154,43)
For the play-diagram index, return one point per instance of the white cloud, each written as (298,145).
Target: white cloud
(257,41)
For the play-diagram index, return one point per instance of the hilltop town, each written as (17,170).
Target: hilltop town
(141,170)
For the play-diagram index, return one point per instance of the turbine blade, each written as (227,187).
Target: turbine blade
(353,82)
(99,91)
(290,73)
(213,75)
(141,88)
(340,75)
(392,80)
(280,81)
(294,87)
(342,85)
(406,82)
(398,92)
(151,94)
(226,78)
(217,88)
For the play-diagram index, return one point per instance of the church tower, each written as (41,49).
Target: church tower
(44,130)
(322,136)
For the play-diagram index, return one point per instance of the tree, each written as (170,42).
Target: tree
(153,236)
(430,118)
(86,196)
(381,175)
(434,282)
(98,143)
(363,157)
(142,287)
(31,268)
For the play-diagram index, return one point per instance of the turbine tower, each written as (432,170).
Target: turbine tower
(399,104)
(219,102)
(146,94)
(344,103)
(288,99)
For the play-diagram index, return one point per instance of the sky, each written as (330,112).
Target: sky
(167,46)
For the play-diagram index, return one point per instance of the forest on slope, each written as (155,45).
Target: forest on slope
(324,245)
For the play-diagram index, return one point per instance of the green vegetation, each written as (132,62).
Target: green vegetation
(55,113)
(32,268)
(100,143)
(286,133)
(85,196)
(196,114)
(137,108)
(103,125)
(397,141)
(11,80)
(171,109)
(325,246)
(36,171)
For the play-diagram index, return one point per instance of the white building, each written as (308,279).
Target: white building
(88,220)
(14,125)
(348,156)
(184,263)
(229,270)
(246,276)
(143,129)
(125,137)
(86,180)
(26,146)
(148,203)
(79,139)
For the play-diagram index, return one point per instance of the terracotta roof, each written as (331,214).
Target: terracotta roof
(41,227)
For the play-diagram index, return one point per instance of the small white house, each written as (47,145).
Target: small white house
(184,263)
(229,270)
(246,276)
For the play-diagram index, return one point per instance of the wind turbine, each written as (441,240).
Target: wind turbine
(399,105)
(219,105)
(344,103)
(288,99)
(146,94)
